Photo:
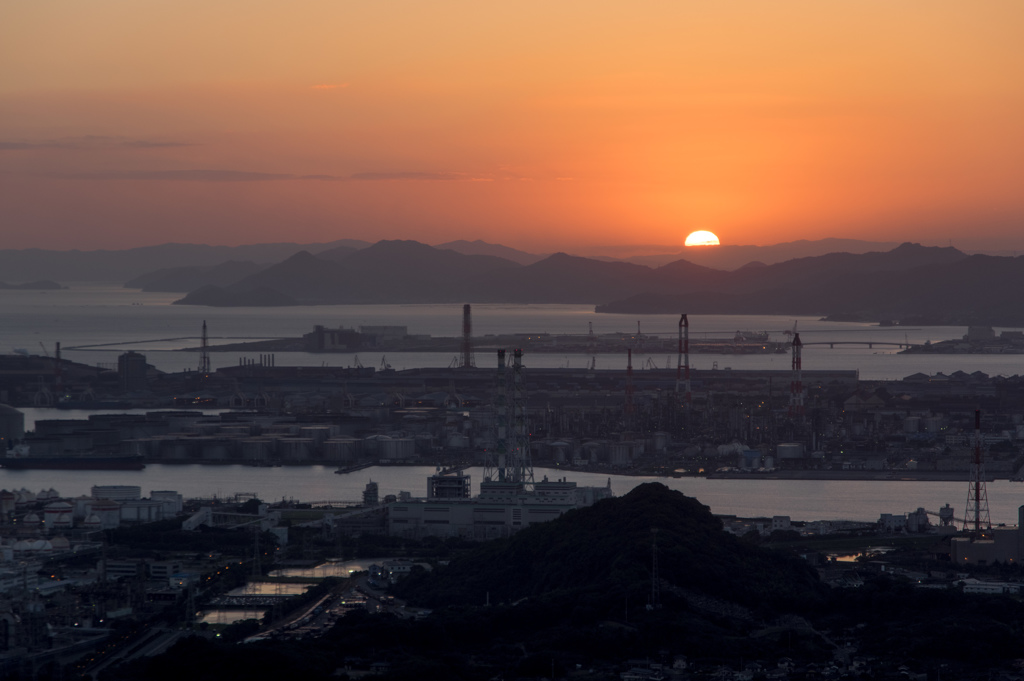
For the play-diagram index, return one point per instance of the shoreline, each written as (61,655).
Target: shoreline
(862,476)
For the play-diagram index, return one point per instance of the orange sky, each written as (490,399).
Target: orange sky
(541,125)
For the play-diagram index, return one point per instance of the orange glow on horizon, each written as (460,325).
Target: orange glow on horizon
(543,126)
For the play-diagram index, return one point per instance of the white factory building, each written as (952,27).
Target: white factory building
(501,509)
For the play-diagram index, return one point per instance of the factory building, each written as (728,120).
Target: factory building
(500,510)
(1002,544)
(131,371)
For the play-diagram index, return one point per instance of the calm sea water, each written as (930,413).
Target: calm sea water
(799,499)
(95,323)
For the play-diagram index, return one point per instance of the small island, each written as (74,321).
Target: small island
(42,285)
(979,340)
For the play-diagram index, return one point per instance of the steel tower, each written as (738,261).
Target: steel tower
(467,360)
(510,461)
(683,365)
(796,387)
(521,468)
(497,462)
(977,495)
(204,353)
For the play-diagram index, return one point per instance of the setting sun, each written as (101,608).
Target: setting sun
(702,238)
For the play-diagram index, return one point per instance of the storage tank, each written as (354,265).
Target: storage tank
(54,510)
(258,448)
(318,434)
(561,452)
(620,453)
(343,450)
(295,449)
(214,449)
(789,451)
(751,458)
(458,441)
(176,450)
(397,448)
(109,513)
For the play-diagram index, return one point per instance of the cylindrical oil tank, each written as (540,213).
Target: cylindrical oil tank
(258,448)
(787,451)
(343,450)
(397,448)
(176,450)
(294,449)
(620,453)
(237,430)
(214,449)
(318,434)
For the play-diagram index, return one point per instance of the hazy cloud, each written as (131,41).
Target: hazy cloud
(20,146)
(411,176)
(150,144)
(87,142)
(178,176)
(196,175)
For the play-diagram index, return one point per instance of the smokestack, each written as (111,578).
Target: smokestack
(467,360)
(683,364)
(204,353)
(629,383)
(796,393)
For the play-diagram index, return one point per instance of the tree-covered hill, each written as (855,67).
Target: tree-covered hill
(607,550)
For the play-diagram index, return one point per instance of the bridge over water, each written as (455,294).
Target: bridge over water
(870,344)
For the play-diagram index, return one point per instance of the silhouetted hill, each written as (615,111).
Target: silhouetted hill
(122,265)
(386,272)
(836,283)
(42,285)
(978,289)
(412,272)
(562,278)
(571,598)
(910,282)
(337,254)
(731,257)
(479,247)
(606,550)
(302,277)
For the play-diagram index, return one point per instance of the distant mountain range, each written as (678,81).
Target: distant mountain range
(909,283)
(127,265)
(119,266)
(729,257)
